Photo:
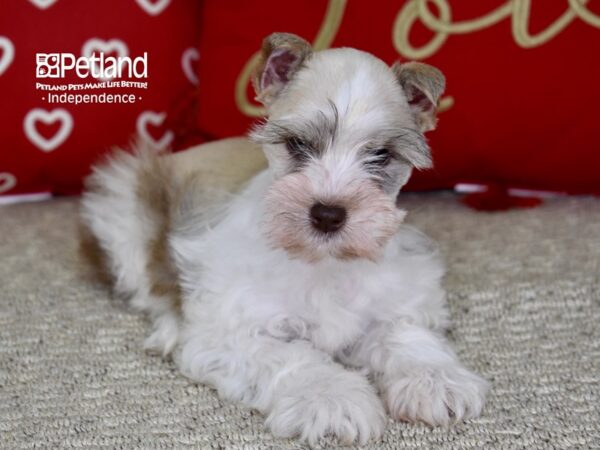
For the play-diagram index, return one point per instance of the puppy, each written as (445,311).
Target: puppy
(303,297)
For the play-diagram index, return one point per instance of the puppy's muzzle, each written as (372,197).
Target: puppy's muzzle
(327,218)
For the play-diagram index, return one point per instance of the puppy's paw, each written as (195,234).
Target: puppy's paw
(345,406)
(437,396)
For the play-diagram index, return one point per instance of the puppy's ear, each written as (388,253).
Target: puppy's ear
(423,85)
(281,56)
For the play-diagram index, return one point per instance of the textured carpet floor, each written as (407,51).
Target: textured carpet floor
(524,294)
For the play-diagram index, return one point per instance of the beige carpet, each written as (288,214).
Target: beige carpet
(523,289)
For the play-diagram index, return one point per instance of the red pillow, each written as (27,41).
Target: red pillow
(49,145)
(521,107)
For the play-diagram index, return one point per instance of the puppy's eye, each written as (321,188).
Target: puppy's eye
(381,156)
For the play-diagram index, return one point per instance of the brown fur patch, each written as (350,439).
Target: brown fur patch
(157,191)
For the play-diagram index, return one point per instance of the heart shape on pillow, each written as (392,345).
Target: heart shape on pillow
(98,46)
(37,115)
(188,57)
(43,4)
(154,8)
(8,53)
(7,182)
(155,119)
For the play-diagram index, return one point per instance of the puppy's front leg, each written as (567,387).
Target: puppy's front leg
(302,391)
(419,375)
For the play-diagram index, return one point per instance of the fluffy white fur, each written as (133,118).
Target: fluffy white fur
(319,344)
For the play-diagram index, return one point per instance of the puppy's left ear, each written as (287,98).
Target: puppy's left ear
(281,55)
(423,85)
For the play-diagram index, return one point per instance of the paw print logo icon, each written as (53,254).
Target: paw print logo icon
(48,65)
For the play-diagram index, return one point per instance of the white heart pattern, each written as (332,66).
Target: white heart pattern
(7,181)
(153,7)
(156,119)
(43,4)
(187,58)
(96,45)
(48,117)
(7,55)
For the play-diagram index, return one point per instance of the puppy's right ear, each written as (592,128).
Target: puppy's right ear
(281,56)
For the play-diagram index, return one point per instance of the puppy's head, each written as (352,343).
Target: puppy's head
(343,133)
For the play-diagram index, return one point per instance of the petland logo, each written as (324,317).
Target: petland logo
(56,65)
(108,86)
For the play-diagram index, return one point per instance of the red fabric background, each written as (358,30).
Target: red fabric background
(65,26)
(522,117)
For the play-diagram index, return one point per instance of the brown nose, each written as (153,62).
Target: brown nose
(327,218)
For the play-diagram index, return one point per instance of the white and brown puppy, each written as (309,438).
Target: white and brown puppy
(304,297)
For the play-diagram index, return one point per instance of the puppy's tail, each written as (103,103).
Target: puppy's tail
(125,214)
